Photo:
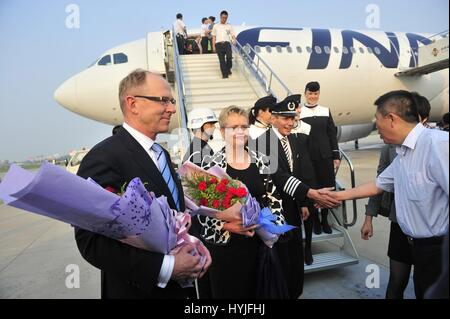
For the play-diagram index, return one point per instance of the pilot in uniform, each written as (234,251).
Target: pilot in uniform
(324,148)
(280,146)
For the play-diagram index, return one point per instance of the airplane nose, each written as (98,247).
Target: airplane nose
(66,94)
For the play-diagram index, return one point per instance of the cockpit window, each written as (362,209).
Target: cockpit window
(106,60)
(120,58)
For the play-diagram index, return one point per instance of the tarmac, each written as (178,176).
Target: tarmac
(38,255)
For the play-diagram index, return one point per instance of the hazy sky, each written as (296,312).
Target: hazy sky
(38,52)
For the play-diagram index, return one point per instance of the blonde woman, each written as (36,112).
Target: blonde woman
(234,249)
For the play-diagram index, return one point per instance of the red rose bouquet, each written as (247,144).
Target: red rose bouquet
(212,193)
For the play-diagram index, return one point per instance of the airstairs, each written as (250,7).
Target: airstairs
(429,58)
(198,83)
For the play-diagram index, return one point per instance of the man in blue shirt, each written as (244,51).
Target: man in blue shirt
(420,176)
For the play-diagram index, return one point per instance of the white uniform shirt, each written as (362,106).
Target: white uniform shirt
(179,27)
(223,32)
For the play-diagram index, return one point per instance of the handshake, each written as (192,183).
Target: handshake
(325,197)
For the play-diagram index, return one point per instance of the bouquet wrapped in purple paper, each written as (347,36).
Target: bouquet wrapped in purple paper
(137,217)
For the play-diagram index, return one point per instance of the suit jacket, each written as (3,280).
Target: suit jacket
(293,189)
(126,271)
(293,196)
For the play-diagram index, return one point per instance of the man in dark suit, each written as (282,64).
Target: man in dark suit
(128,272)
(286,168)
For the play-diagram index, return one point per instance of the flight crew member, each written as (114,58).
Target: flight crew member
(301,133)
(324,149)
(281,148)
(259,116)
(202,122)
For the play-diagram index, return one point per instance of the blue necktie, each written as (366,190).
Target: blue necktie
(165,172)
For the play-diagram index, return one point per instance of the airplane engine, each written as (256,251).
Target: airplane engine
(347,133)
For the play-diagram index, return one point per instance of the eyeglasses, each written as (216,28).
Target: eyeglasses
(162,99)
(236,127)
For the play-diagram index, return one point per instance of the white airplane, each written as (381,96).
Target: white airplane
(353,68)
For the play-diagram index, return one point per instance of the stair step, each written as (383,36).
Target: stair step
(199,67)
(203,72)
(196,78)
(218,83)
(330,260)
(204,98)
(322,237)
(195,91)
(220,105)
(198,57)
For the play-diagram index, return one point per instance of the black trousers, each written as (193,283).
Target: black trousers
(324,169)
(223,50)
(205,42)
(427,256)
(180,43)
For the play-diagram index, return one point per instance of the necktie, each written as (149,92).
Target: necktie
(287,151)
(165,172)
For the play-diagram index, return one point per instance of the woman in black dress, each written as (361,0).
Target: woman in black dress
(234,249)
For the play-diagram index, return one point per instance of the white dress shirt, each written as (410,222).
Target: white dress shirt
(420,176)
(204,29)
(256,131)
(280,137)
(146,142)
(223,32)
(179,27)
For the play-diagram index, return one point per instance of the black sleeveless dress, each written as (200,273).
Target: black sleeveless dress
(233,273)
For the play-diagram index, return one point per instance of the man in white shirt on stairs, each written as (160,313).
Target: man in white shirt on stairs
(223,34)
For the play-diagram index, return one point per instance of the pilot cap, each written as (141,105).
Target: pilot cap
(265,102)
(312,87)
(287,106)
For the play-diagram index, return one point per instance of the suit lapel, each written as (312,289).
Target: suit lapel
(141,157)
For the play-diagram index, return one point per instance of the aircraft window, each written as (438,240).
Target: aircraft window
(336,49)
(353,50)
(289,49)
(370,50)
(120,58)
(247,49)
(327,49)
(299,49)
(278,49)
(257,48)
(269,49)
(361,50)
(318,49)
(106,60)
(377,50)
(345,50)
(308,49)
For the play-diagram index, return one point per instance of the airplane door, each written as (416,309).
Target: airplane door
(156,52)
